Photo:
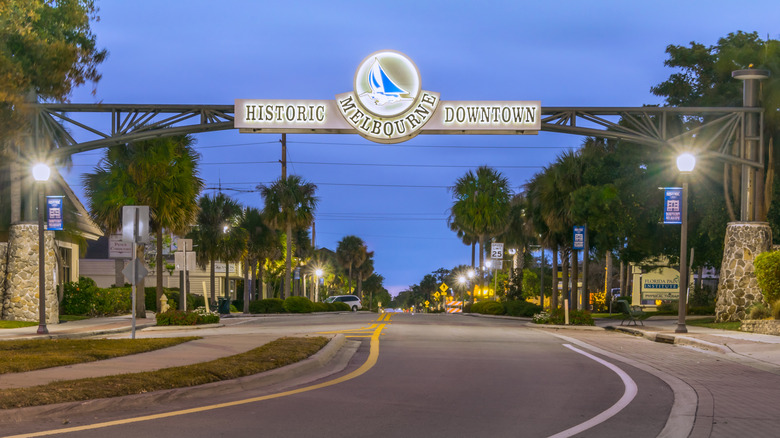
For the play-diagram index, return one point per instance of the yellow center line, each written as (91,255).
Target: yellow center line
(373,357)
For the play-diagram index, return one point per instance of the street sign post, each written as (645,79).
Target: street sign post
(135,229)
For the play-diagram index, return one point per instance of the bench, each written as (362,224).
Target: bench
(631,313)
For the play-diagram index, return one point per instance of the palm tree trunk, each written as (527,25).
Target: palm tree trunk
(288,263)
(473,247)
(565,276)
(350,278)
(213,280)
(482,261)
(554,279)
(575,274)
(140,289)
(119,277)
(246,284)
(160,267)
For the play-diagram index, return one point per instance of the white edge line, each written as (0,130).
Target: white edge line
(628,395)
(683,413)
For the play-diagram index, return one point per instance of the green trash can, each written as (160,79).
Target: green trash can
(224,306)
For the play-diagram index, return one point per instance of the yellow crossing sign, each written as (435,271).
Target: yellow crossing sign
(443,288)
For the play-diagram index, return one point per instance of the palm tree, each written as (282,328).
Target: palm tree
(214,214)
(482,205)
(365,270)
(260,240)
(161,173)
(351,252)
(289,203)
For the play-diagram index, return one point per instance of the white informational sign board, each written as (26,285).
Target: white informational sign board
(118,248)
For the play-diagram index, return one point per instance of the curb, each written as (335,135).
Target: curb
(61,411)
(79,335)
(672,339)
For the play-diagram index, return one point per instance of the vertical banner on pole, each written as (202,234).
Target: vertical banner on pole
(579,238)
(672,205)
(54,213)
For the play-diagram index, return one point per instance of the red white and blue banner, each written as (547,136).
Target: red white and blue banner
(672,205)
(54,213)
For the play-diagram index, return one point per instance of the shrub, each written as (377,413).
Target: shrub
(320,307)
(668,308)
(576,317)
(488,308)
(177,317)
(111,301)
(77,297)
(541,318)
(767,268)
(339,307)
(521,308)
(701,310)
(776,310)
(238,304)
(758,311)
(268,305)
(298,305)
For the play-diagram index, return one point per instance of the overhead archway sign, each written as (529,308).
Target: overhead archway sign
(387,105)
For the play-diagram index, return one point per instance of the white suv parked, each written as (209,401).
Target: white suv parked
(351,300)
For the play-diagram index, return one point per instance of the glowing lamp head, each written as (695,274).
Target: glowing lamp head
(461,279)
(41,172)
(470,274)
(686,162)
(318,272)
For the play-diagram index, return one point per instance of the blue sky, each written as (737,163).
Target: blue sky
(567,53)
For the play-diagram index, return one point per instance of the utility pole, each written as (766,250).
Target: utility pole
(284,156)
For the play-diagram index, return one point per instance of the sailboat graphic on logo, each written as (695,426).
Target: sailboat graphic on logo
(383,90)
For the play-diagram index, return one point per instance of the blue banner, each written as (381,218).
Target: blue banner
(54,213)
(673,205)
(579,238)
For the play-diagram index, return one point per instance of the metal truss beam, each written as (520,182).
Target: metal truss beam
(109,125)
(720,132)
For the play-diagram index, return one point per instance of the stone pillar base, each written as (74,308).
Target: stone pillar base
(738,288)
(20,301)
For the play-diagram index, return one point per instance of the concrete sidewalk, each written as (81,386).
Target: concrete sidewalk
(754,349)
(197,351)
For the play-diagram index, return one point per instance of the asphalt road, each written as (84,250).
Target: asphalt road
(418,375)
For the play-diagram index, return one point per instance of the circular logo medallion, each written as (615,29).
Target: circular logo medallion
(387,83)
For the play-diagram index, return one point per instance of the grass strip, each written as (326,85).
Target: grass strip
(710,322)
(278,353)
(27,355)
(16,324)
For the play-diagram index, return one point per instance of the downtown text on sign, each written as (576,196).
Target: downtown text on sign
(387,105)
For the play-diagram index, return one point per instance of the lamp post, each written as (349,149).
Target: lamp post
(317,275)
(685,164)
(41,173)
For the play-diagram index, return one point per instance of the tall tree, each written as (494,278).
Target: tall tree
(289,204)
(351,252)
(704,79)
(46,49)
(214,214)
(261,240)
(482,204)
(161,173)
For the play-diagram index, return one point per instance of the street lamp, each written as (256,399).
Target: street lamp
(317,275)
(41,173)
(685,164)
